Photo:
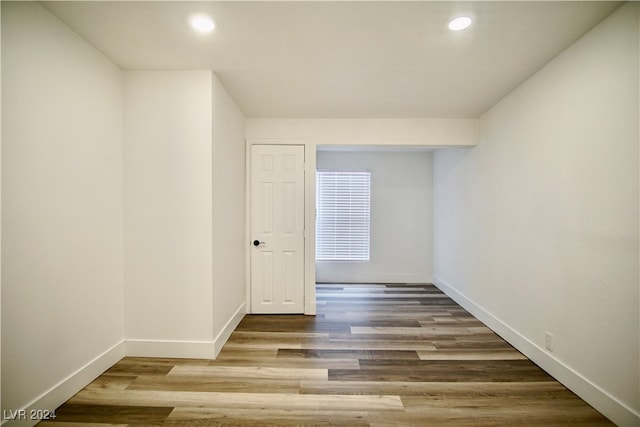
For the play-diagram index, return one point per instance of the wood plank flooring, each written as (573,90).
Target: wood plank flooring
(375,355)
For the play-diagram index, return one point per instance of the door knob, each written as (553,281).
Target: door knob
(257,243)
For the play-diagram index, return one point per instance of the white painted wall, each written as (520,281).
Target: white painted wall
(431,132)
(536,228)
(73,287)
(184,212)
(401,233)
(229,240)
(168,212)
(62,307)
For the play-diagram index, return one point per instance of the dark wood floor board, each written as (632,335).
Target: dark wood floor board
(411,290)
(428,375)
(451,322)
(377,323)
(470,344)
(277,336)
(113,413)
(355,354)
(466,354)
(360,303)
(501,391)
(115,382)
(54,423)
(352,317)
(493,419)
(127,368)
(374,355)
(230,353)
(372,344)
(523,409)
(257,341)
(419,332)
(381,307)
(393,337)
(292,362)
(160,361)
(523,404)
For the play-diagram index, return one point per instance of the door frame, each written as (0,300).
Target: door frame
(309,218)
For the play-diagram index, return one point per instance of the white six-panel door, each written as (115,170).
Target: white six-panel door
(277,229)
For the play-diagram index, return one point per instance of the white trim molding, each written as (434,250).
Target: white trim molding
(600,399)
(65,389)
(182,348)
(228,329)
(170,348)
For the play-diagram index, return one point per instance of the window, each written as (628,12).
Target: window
(342,216)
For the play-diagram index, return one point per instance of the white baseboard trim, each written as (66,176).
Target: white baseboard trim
(185,349)
(228,329)
(310,308)
(65,389)
(170,348)
(608,405)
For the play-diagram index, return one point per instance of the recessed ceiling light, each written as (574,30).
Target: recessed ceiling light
(460,23)
(202,23)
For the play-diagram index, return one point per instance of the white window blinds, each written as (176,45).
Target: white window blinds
(342,216)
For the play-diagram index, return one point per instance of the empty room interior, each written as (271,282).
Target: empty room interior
(165,165)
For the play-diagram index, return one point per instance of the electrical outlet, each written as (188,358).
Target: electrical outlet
(548,340)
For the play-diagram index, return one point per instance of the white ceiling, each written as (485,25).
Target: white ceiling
(347,59)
